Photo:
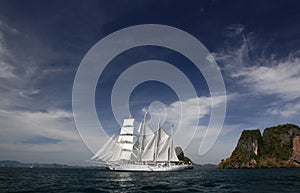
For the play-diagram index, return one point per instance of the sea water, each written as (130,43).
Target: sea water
(195,180)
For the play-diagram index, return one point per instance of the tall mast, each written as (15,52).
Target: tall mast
(171,144)
(157,141)
(143,137)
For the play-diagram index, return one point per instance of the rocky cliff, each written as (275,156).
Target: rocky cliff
(296,150)
(181,157)
(279,146)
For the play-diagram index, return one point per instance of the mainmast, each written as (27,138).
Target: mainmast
(157,142)
(143,137)
(171,144)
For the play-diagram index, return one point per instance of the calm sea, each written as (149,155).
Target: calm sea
(196,180)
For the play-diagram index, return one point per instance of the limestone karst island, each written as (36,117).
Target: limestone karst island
(278,146)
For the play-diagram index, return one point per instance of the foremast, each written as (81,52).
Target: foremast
(126,139)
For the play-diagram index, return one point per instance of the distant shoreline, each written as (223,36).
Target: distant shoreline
(13,163)
(17,164)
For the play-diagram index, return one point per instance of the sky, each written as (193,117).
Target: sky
(255,45)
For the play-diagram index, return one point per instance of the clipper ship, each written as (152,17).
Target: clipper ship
(141,150)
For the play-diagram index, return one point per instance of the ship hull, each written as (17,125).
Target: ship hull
(148,168)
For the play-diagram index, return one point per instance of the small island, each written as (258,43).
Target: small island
(181,157)
(279,146)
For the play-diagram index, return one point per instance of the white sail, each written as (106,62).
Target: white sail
(148,152)
(128,122)
(104,155)
(127,146)
(115,154)
(102,149)
(128,127)
(125,155)
(111,153)
(148,144)
(162,145)
(125,139)
(172,154)
(127,130)
(137,147)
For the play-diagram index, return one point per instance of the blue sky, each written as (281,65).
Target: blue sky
(255,44)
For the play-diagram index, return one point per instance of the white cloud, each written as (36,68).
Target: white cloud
(51,124)
(26,93)
(190,122)
(6,71)
(5,27)
(18,128)
(288,110)
(234,57)
(22,70)
(235,29)
(221,149)
(281,79)
(185,113)
(261,76)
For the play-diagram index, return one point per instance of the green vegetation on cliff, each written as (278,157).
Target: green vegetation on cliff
(273,149)
(277,141)
(246,151)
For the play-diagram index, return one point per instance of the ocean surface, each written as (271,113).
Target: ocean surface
(196,180)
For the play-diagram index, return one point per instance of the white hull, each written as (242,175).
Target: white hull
(148,168)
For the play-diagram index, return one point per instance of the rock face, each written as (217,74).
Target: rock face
(278,141)
(181,157)
(278,147)
(246,152)
(296,150)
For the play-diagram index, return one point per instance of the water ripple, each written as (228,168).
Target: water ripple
(197,180)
